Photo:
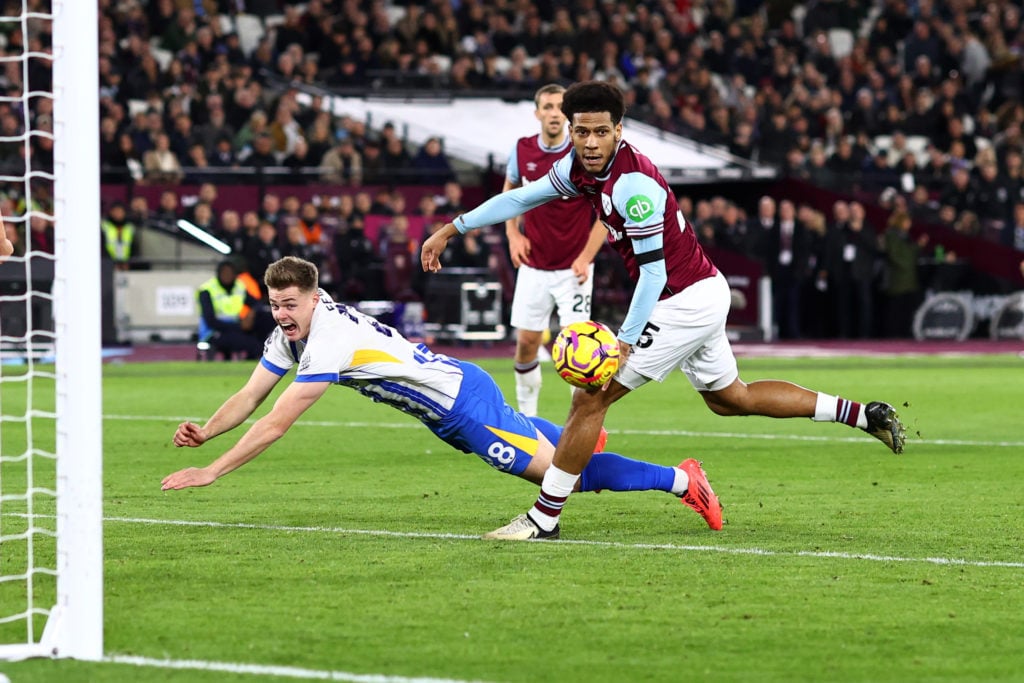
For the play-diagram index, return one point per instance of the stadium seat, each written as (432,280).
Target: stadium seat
(163,57)
(273,21)
(841,41)
(250,30)
(798,13)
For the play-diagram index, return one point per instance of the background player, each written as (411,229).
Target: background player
(457,401)
(554,251)
(676,318)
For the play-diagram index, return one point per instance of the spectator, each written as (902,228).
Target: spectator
(342,164)
(295,244)
(788,265)
(396,162)
(309,223)
(902,287)
(1013,234)
(358,262)
(160,165)
(299,163)
(374,169)
(118,236)
(850,258)
(232,234)
(431,165)
(262,154)
(198,166)
(451,204)
(263,251)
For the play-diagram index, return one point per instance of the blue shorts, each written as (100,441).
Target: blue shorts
(482,422)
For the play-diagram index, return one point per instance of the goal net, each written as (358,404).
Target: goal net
(51,600)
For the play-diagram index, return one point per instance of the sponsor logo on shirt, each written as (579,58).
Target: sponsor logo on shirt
(304,365)
(639,208)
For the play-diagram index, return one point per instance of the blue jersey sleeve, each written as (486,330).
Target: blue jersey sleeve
(640,200)
(511,204)
(649,286)
(512,168)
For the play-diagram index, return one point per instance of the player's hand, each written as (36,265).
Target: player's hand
(581,269)
(189,434)
(433,247)
(190,476)
(6,247)
(519,247)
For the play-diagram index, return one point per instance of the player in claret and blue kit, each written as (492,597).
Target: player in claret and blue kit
(460,403)
(553,250)
(676,318)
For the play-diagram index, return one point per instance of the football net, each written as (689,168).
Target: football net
(51,601)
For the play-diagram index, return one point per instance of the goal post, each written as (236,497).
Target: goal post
(74,621)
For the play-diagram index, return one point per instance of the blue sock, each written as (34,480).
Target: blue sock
(614,472)
(549,429)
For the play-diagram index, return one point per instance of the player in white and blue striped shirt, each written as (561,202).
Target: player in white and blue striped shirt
(332,343)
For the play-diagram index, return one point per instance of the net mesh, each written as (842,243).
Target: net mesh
(27,340)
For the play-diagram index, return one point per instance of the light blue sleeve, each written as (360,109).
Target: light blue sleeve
(512,167)
(649,287)
(505,205)
(640,200)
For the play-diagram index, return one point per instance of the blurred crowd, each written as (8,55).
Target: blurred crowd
(917,103)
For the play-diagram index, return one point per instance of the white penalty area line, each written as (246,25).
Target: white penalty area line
(761,552)
(412,424)
(268,670)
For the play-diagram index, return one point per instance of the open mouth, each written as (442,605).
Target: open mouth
(288,328)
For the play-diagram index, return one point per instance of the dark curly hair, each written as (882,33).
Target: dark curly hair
(594,96)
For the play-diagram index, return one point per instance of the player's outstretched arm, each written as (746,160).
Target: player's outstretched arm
(232,413)
(268,429)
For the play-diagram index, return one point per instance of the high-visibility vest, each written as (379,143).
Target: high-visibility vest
(252,287)
(227,305)
(118,240)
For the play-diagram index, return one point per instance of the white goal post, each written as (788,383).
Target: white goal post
(73,621)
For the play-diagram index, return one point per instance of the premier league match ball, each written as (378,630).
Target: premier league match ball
(586,354)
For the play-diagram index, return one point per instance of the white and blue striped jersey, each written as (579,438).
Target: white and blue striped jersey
(352,349)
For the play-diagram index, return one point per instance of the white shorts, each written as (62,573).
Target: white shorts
(540,292)
(685,331)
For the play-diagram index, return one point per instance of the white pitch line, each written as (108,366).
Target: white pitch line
(640,432)
(763,552)
(269,670)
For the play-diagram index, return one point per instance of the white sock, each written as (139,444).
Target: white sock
(837,409)
(825,409)
(682,482)
(528,382)
(554,492)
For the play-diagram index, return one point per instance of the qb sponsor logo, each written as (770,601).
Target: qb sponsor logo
(639,208)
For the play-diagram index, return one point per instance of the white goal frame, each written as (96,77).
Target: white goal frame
(74,626)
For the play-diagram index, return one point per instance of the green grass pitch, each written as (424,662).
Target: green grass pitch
(347,551)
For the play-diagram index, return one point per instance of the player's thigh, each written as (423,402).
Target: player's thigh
(483,423)
(687,332)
